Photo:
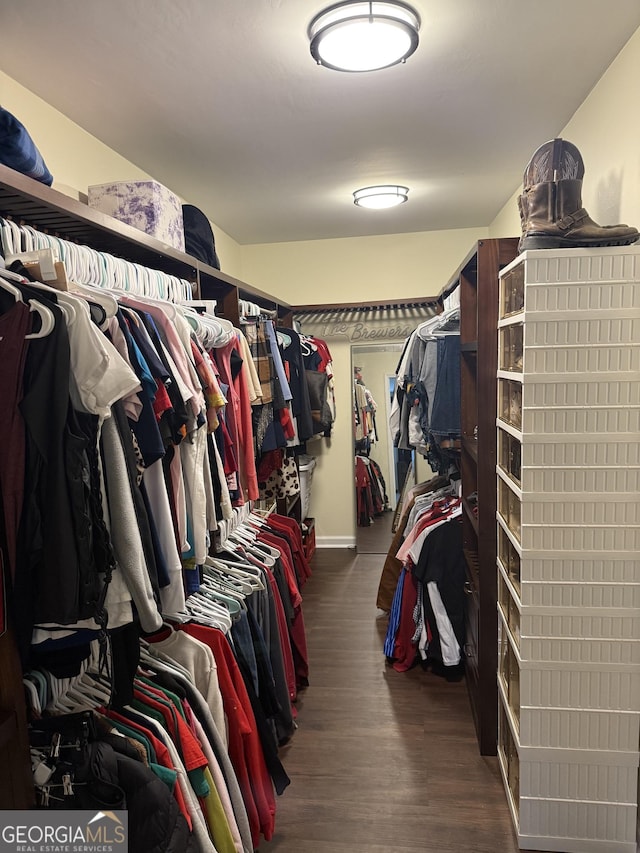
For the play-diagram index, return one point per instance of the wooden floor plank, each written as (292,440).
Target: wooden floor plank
(382,762)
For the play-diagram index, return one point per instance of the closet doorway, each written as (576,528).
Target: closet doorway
(377,463)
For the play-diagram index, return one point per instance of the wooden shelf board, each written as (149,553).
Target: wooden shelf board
(28,201)
(472,518)
(472,561)
(470,445)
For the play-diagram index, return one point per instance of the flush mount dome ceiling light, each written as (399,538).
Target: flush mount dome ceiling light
(378,198)
(364,36)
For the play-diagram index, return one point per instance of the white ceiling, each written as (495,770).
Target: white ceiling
(221,101)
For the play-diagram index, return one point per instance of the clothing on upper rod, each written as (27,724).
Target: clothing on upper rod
(85,337)
(249,310)
(364,414)
(425,412)
(125,462)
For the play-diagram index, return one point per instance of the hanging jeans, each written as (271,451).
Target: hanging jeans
(445,417)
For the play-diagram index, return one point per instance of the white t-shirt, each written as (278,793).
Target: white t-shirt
(99,374)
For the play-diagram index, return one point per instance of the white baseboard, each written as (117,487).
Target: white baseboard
(335,542)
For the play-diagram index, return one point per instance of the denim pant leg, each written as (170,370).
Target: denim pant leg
(429,377)
(445,418)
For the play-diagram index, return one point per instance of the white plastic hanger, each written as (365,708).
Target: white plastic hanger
(47,319)
(99,295)
(235,581)
(244,572)
(34,698)
(209,612)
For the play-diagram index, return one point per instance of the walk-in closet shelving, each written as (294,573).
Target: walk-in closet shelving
(478,282)
(31,202)
(568,527)
(46,209)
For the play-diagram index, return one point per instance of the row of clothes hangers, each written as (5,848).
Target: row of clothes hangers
(212,331)
(233,574)
(446,323)
(89,266)
(8,282)
(251,311)
(46,692)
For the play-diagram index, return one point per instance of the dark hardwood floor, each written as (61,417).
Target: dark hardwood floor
(375,539)
(382,762)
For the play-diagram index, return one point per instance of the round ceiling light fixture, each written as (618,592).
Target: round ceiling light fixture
(381,197)
(364,36)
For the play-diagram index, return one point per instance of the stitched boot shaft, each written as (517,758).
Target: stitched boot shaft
(556,160)
(553,217)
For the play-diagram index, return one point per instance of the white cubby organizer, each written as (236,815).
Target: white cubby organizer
(568,529)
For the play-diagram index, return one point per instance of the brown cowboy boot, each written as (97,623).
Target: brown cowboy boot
(556,160)
(551,211)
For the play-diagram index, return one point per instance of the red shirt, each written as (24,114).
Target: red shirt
(245,749)
(296,628)
(291,529)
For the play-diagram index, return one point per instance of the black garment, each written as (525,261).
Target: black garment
(274,695)
(283,589)
(265,733)
(105,779)
(47,585)
(198,236)
(63,659)
(155,822)
(122,423)
(300,405)
(80,481)
(172,421)
(71,518)
(320,411)
(235,363)
(145,428)
(441,560)
(125,657)
(215,477)
(102,547)
(382,486)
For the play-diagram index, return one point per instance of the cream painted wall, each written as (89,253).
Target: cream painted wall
(606,130)
(507,222)
(358,269)
(77,159)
